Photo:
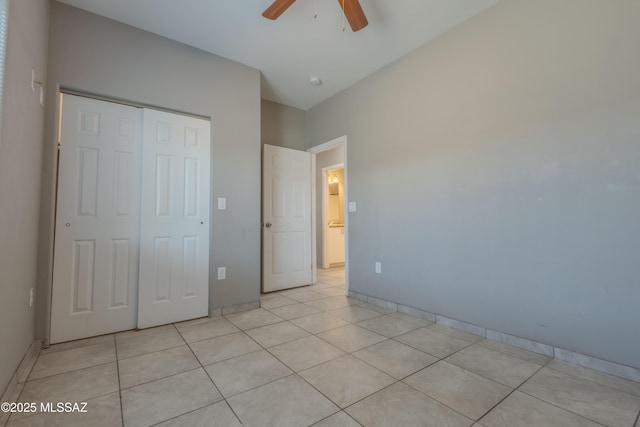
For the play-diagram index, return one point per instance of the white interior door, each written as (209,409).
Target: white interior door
(286,194)
(174,224)
(96,241)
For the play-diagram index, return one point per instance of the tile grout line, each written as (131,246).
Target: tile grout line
(417,391)
(594,381)
(210,338)
(443,360)
(553,404)
(8,419)
(115,346)
(560,408)
(153,352)
(168,376)
(224,399)
(431,354)
(294,373)
(252,388)
(59,374)
(326,418)
(331,360)
(68,372)
(52,347)
(513,390)
(71,370)
(460,367)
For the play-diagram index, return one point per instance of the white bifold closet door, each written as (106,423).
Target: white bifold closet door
(132,219)
(174,230)
(95,272)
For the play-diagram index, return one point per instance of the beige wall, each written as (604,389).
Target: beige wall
(20,157)
(96,55)
(497,174)
(282,125)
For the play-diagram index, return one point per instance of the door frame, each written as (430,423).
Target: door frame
(325,208)
(337,142)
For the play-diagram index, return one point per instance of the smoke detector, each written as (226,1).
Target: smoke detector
(315,80)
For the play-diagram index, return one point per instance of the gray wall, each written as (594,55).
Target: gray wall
(282,125)
(323,160)
(97,55)
(20,157)
(497,174)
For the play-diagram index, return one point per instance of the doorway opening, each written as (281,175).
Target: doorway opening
(295,222)
(330,242)
(332,199)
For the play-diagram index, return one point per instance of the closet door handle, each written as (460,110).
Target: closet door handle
(268,225)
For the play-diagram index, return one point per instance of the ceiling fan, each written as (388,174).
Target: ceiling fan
(352,10)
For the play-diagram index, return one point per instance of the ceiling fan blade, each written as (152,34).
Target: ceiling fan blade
(354,13)
(277,8)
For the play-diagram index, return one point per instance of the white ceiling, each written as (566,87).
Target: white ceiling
(291,49)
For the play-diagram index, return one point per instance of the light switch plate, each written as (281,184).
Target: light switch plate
(222,203)
(378,267)
(222,273)
(352,206)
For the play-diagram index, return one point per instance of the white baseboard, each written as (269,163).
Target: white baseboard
(611,368)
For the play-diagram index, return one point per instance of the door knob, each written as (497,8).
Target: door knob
(268,225)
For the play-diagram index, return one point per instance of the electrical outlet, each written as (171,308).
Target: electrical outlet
(32,295)
(222,273)
(378,267)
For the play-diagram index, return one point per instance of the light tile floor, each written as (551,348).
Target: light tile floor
(311,356)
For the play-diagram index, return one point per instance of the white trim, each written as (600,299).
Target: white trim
(314,255)
(612,368)
(340,141)
(329,145)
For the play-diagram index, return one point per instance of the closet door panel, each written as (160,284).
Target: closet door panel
(174,224)
(96,233)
